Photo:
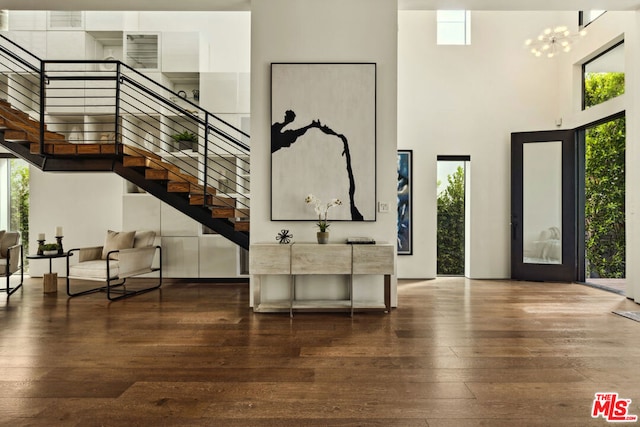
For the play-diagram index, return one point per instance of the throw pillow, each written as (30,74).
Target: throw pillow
(117,240)
(144,239)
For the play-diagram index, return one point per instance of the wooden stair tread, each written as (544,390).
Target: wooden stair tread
(133,161)
(15,135)
(242,213)
(158,164)
(129,150)
(55,147)
(242,225)
(28,125)
(178,187)
(156,168)
(156,174)
(7,110)
(166,175)
(188,187)
(197,199)
(223,212)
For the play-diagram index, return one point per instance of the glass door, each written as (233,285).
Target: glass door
(543,206)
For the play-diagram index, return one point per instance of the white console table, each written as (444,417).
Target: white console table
(313,259)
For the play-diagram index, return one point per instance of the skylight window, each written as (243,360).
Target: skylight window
(586,17)
(454,27)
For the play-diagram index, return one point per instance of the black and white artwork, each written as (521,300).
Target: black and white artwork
(323,139)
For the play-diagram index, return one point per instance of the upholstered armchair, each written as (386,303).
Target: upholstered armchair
(124,254)
(11,257)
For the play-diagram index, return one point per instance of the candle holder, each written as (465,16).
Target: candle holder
(40,243)
(59,240)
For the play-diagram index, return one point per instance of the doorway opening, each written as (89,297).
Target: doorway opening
(453,216)
(604,203)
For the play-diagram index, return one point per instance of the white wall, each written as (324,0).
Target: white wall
(85,205)
(224,32)
(466,100)
(327,31)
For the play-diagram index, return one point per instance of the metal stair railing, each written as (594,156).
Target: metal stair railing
(22,68)
(109,103)
(156,115)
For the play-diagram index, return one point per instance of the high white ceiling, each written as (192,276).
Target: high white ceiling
(190,5)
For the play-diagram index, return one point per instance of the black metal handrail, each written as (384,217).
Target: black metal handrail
(24,51)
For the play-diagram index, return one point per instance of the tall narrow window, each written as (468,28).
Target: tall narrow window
(14,202)
(451,215)
(603,77)
(454,27)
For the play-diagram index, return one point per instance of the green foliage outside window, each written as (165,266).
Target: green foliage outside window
(605,184)
(19,204)
(451,225)
(600,87)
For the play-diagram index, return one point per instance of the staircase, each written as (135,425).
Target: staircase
(79,116)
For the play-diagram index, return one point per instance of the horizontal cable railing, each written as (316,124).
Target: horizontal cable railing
(20,78)
(80,101)
(107,103)
(202,146)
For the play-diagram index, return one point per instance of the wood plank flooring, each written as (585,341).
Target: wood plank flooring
(456,352)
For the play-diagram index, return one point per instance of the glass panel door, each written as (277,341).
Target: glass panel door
(543,206)
(542,203)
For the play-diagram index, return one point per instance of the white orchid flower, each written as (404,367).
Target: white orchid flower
(321,209)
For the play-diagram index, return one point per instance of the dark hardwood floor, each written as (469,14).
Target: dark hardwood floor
(455,353)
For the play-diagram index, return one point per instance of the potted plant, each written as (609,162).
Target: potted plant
(50,249)
(321,211)
(186,140)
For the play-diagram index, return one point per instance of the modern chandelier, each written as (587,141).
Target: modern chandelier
(553,41)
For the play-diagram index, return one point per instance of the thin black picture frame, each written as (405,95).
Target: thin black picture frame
(405,203)
(334,128)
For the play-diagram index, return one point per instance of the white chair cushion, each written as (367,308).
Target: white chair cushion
(94,269)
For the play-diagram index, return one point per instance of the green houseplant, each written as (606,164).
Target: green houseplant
(186,140)
(49,248)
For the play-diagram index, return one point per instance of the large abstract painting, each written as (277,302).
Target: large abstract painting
(323,139)
(405,232)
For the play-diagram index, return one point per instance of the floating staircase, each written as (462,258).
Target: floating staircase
(34,125)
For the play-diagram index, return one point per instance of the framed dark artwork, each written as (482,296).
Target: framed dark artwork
(323,139)
(405,202)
